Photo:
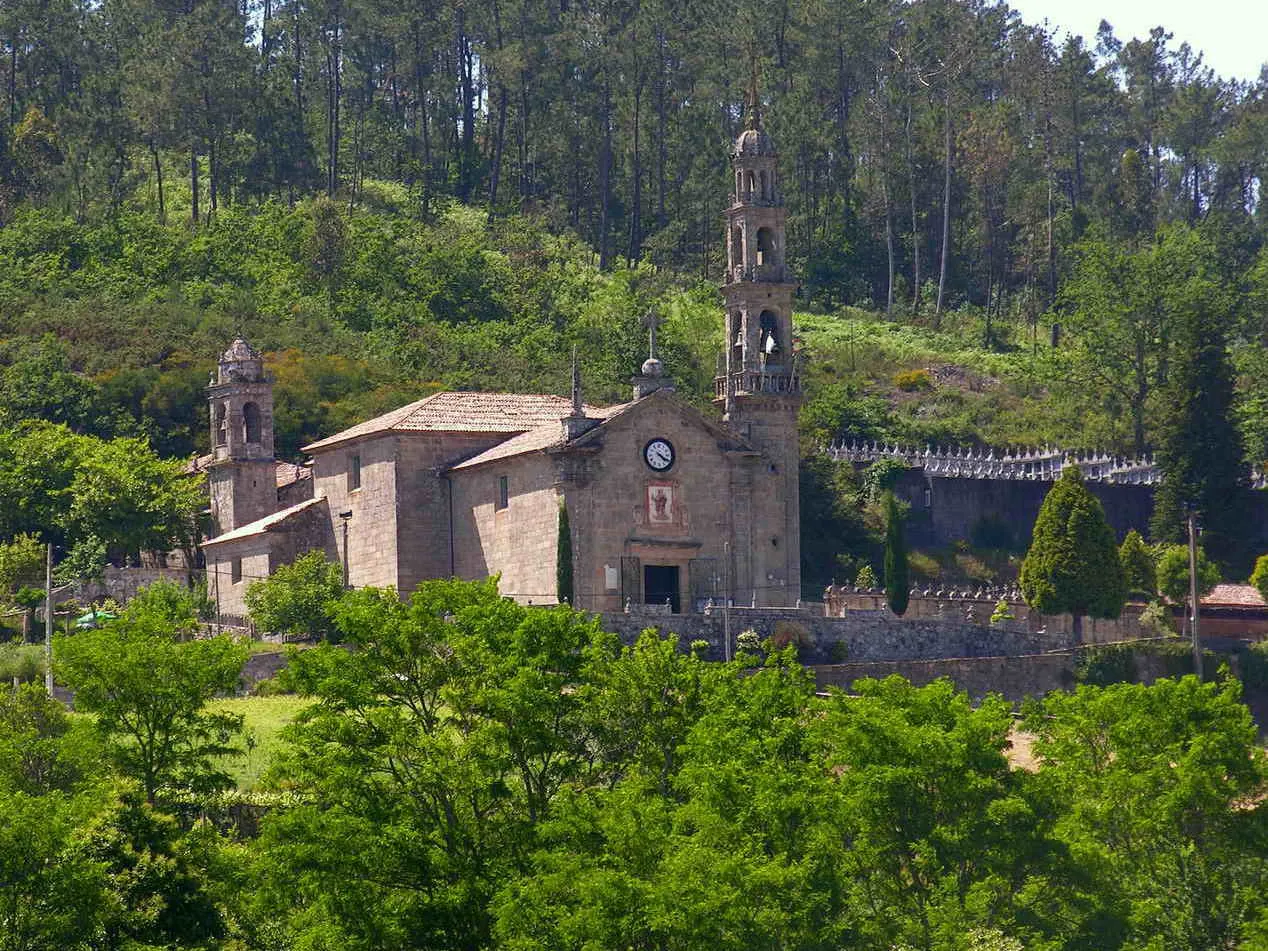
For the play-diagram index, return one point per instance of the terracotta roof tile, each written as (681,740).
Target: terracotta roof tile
(543,437)
(508,413)
(1234,595)
(288,473)
(266,524)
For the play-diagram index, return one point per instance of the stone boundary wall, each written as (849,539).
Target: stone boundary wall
(860,636)
(122,584)
(976,608)
(1014,678)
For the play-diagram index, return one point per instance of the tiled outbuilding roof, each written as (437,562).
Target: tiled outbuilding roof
(451,412)
(1234,596)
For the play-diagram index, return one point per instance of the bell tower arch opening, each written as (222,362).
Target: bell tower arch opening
(251,429)
(241,478)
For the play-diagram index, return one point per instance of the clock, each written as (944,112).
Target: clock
(659,454)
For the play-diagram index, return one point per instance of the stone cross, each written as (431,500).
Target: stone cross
(652,320)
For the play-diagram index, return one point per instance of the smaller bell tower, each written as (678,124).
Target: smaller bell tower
(242,476)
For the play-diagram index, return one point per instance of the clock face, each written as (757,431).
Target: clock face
(659,454)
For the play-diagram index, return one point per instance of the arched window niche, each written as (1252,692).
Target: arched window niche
(221,426)
(250,423)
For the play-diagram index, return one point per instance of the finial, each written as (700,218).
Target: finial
(652,320)
(577,409)
(754,101)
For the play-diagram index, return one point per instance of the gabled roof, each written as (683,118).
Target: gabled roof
(1234,596)
(451,412)
(547,436)
(267,524)
(551,435)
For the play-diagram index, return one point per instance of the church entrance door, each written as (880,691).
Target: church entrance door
(660,584)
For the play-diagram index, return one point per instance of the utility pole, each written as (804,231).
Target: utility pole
(1193,593)
(48,619)
(345,516)
(726,600)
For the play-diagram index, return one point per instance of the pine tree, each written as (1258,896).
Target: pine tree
(1200,449)
(1138,565)
(1073,565)
(563,560)
(896,574)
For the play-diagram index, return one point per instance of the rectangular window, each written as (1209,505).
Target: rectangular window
(235,571)
(504,494)
(354,472)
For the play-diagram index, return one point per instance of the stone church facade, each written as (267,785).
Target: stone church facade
(668,506)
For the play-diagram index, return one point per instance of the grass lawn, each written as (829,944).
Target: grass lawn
(263,718)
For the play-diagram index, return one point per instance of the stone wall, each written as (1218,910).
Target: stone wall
(859,637)
(977,608)
(520,542)
(1014,678)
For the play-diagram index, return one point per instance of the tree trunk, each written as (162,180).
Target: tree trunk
(915,216)
(495,173)
(605,180)
(158,176)
(466,73)
(946,208)
(193,185)
(889,247)
(636,186)
(1076,629)
(661,145)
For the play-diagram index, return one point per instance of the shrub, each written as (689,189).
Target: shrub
(911,381)
(23,661)
(294,600)
(790,632)
(866,578)
(1253,664)
(838,652)
(1156,618)
(1102,666)
(1002,612)
(749,642)
(923,565)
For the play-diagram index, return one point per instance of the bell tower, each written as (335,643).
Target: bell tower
(759,386)
(241,478)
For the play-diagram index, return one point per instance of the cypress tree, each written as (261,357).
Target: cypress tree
(1200,448)
(1072,566)
(1138,565)
(896,575)
(563,558)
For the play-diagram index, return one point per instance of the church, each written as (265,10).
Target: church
(667,506)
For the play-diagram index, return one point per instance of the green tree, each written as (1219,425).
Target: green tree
(1200,450)
(1139,573)
(1259,577)
(467,710)
(563,558)
(1072,566)
(298,598)
(1173,573)
(149,690)
(53,893)
(1149,785)
(132,500)
(21,573)
(327,248)
(897,580)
